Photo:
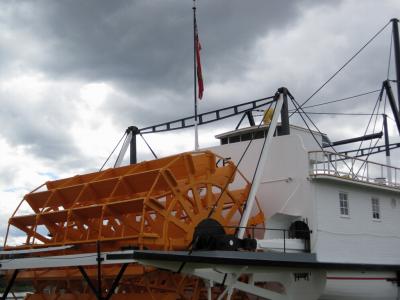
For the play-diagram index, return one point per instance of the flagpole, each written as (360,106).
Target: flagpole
(196,134)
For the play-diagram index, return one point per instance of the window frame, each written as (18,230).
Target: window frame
(376,209)
(344,207)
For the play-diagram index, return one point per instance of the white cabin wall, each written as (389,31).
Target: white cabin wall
(357,238)
(285,188)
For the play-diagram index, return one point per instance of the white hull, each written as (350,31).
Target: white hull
(352,285)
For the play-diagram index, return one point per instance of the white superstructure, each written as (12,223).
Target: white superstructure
(350,206)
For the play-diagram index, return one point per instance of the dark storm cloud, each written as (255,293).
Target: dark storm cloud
(145,47)
(150,42)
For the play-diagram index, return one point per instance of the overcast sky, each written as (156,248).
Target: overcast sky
(75,74)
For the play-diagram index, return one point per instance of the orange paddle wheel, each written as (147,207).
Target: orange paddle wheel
(151,205)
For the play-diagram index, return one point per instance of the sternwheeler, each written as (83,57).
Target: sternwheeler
(275,211)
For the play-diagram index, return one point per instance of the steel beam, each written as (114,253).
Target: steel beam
(133,150)
(116,282)
(396,44)
(208,117)
(89,282)
(366,137)
(392,102)
(10,284)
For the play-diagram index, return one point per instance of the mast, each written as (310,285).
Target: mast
(396,44)
(387,150)
(196,134)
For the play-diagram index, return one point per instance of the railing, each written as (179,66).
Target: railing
(347,167)
(256,232)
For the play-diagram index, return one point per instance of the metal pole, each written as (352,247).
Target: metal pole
(196,136)
(392,102)
(396,44)
(133,151)
(10,284)
(387,149)
(116,282)
(99,259)
(261,167)
(88,281)
(285,128)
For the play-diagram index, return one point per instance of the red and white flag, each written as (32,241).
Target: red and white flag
(200,83)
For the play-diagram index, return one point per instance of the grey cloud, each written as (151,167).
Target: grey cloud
(145,47)
(40,127)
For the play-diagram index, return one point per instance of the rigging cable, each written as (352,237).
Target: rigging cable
(370,119)
(378,100)
(342,67)
(237,166)
(112,152)
(296,104)
(336,113)
(255,170)
(341,99)
(155,156)
(376,107)
(390,57)
(190,246)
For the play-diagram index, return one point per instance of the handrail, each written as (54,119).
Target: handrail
(353,168)
(285,233)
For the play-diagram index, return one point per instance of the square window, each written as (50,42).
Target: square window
(343,204)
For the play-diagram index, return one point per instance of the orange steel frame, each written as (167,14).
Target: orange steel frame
(151,205)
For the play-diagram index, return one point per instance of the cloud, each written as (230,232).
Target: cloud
(30,116)
(75,75)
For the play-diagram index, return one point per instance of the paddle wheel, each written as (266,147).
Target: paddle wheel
(151,205)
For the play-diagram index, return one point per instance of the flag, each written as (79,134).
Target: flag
(200,83)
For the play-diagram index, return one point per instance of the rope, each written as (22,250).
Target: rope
(155,156)
(377,104)
(112,152)
(296,104)
(336,113)
(342,99)
(236,167)
(369,122)
(342,67)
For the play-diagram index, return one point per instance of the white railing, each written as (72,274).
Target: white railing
(346,167)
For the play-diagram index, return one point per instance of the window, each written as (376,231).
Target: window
(245,137)
(234,139)
(344,204)
(393,203)
(376,212)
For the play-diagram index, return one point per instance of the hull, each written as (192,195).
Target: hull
(352,285)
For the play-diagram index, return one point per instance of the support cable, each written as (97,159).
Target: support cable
(296,104)
(112,152)
(236,167)
(190,246)
(368,155)
(254,176)
(366,129)
(388,71)
(380,95)
(390,57)
(341,99)
(342,67)
(154,154)
(336,113)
